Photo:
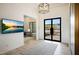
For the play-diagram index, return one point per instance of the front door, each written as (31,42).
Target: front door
(52,29)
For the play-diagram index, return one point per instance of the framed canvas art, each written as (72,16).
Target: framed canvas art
(12,26)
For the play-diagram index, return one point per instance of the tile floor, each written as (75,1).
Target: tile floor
(62,49)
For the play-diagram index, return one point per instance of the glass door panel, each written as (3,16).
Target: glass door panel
(47,25)
(56,23)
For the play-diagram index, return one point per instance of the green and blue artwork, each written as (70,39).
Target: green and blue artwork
(12,26)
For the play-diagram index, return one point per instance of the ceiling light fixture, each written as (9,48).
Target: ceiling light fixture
(43,8)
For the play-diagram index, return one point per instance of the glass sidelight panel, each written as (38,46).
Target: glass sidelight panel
(56,23)
(47,33)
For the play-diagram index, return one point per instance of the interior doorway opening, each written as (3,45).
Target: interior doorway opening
(29,27)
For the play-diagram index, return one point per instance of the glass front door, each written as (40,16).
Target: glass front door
(52,29)
(47,27)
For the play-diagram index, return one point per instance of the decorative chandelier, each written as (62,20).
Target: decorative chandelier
(43,8)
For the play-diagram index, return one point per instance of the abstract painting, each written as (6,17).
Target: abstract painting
(12,26)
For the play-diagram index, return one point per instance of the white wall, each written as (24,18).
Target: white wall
(14,11)
(56,10)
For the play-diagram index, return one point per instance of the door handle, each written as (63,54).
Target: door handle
(51,31)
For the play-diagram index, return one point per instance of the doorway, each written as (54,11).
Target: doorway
(52,29)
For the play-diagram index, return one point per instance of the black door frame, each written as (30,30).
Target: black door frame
(51,25)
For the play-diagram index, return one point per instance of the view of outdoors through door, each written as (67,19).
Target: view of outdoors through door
(47,29)
(56,29)
(52,29)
